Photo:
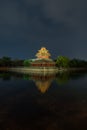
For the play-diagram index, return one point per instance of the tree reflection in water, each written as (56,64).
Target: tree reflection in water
(62,78)
(24,108)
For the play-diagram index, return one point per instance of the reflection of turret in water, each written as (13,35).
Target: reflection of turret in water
(43,86)
(43,82)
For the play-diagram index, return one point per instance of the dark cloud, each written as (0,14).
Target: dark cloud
(60,25)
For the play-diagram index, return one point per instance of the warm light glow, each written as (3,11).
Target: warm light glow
(43,53)
(43,86)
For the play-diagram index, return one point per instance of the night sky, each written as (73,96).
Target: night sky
(59,25)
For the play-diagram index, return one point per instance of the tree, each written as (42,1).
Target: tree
(27,62)
(17,62)
(6,61)
(78,63)
(62,61)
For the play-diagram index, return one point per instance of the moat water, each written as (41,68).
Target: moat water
(43,102)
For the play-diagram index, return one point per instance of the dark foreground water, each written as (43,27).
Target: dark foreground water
(43,102)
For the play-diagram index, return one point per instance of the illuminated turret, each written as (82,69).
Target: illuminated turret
(43,59)
(43,53)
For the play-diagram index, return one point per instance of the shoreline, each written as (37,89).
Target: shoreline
(40,70)
(34,70)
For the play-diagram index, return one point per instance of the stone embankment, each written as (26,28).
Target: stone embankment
(34,70)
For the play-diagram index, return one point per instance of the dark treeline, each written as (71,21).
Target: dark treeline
(77,63)
(8,62)
(61,61)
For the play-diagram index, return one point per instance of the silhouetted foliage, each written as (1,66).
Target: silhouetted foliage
(17,62)
(65,62)
(62,61)
(77,63)
(8,62)
(27,62)
(5,61)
